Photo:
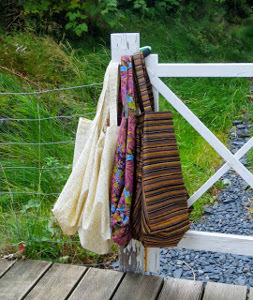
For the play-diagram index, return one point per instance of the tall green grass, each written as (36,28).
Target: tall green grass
(30,170)
(48,64)
(217,102)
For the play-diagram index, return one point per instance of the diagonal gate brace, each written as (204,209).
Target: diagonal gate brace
(216,176)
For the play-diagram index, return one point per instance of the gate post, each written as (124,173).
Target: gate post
(135,258)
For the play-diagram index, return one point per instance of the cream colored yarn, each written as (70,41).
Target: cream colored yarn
(82,135)
(83,204)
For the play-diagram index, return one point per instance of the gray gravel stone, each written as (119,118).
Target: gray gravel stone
(115,264)
(236,122)
(178,273)
(226,181)
(240,281)
(228,216)
(207,210)
(240,126)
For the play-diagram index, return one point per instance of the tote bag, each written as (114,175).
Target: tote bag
(160,215)
(123,170)
(83,204)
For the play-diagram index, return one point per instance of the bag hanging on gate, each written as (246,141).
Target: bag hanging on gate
(123,171)
(160,216)
(83,204)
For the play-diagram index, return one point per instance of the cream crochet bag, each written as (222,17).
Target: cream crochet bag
(83,204)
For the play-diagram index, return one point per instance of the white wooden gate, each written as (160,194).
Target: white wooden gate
(135,257)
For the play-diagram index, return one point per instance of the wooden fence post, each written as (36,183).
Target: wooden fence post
(135,258)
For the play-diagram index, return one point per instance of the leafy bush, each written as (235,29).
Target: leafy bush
(50,15)
(77,17)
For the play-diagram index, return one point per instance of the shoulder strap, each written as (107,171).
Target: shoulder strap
(144,86)
(113,92)
(127,85)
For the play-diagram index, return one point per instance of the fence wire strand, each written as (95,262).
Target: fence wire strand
(53,90)
(36,149)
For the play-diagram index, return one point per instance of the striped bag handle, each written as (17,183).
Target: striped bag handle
(144,87)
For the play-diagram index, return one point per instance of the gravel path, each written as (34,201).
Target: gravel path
(229,216)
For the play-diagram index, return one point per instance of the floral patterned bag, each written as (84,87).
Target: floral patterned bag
(123,170)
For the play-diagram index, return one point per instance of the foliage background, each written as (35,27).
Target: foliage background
(48,44)
(76,17)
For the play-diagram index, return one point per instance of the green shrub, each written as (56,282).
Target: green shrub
(77,17)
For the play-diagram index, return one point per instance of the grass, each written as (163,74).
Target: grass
(42,63)
(26,214)
(199,159)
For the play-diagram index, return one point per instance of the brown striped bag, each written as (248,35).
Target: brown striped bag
(160,215)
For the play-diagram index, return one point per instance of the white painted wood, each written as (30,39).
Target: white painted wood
(152,260)
(201,128)
(152,255)
(217,242)
(132,258)
(124,44)
(150,61)
(211,181)
(203,70)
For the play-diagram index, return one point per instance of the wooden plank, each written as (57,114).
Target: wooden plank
(181,289)
(5,265)
(58,282)
(203,70)
(222,291)
(251,294)
(20,279)
(133,258)
(138,287)
(193,120)
(124,44)
(217,242)
(97,284)
(240,153)
(152,260)
(150,61)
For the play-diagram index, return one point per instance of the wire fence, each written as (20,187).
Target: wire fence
(37,135)
(36,149)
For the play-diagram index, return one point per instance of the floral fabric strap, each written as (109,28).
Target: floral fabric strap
(123,169)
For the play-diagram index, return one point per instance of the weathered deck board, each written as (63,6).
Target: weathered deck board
(181,289)
(18,281)
(137,286)
(58,282)
(42,280)
(251,294)
(5,265)
(97,284)
(221,291)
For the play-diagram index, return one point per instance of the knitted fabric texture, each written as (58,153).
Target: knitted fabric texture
(83,205)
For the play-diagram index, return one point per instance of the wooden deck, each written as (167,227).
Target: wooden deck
(32,279)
